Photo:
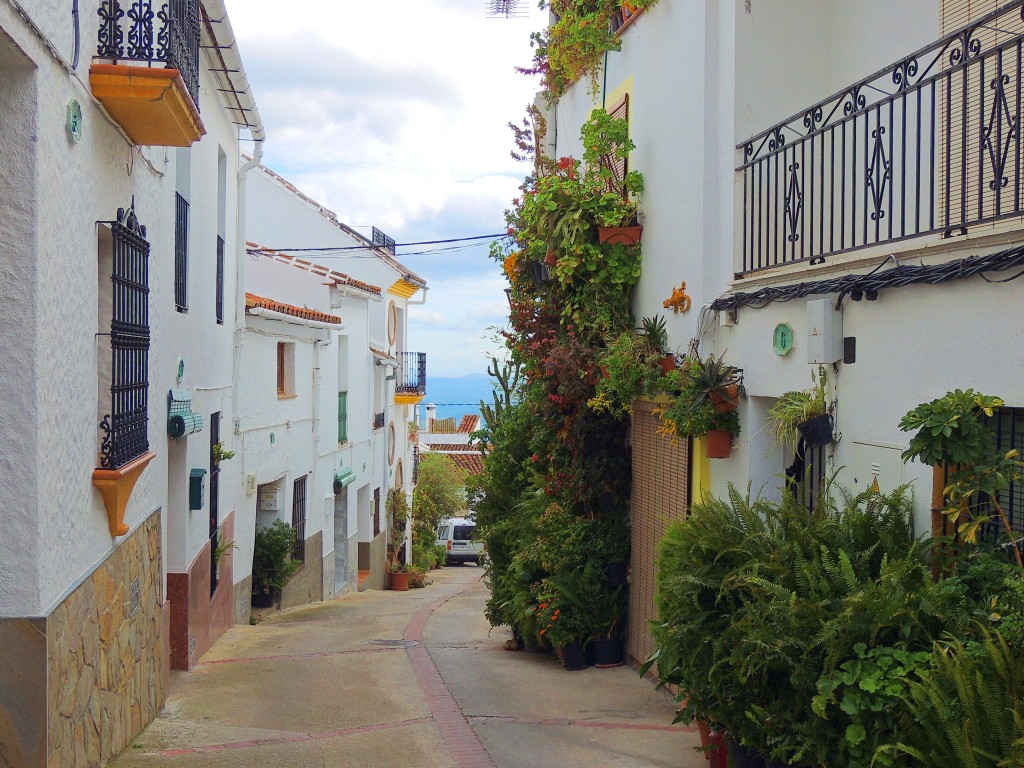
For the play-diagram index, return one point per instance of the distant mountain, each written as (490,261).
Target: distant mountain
(456,396)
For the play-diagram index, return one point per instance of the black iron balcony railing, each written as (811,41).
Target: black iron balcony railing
(412,376)
(378,421)
(131,31)
(930,144)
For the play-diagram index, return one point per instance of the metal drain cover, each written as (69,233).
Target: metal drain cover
(394,643)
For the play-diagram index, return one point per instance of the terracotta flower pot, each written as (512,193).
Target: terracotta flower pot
(398,582)
(667,363)
(551,258)
(619,235)
(718,756)
(725,398)
(718,444)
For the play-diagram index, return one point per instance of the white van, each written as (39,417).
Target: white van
(456,534)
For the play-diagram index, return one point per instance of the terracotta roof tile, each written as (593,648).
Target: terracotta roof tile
(469,463)
(317,269)
(252,300)
(451,447)
(468,424)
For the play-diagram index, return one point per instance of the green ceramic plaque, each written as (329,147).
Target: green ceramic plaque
(782,339)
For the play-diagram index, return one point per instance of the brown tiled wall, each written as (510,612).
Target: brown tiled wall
(197,619)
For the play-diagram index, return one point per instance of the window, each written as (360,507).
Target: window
(285,369)
(376,511)
(125,428)
(214,499)
(299,518)
(1008,426)
(618,165)
(222,205)
(342,417)
(180,253)
(220,280)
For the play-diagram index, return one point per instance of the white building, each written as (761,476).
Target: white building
(780,172)
(120,245)
(355,389)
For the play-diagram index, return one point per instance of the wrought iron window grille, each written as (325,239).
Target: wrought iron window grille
(299,519)
(220,280)
(214,500)
(169,36)
(930,144)
(125,429)
(181,213)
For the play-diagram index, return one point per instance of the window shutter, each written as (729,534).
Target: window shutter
(967,97)
(621,166)
(342,417)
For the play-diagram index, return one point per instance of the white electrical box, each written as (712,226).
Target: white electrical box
(270,500)
(250,484)
(824,332)
(874,466)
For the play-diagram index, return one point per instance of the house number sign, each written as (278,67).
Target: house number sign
(74,121)
(782,339)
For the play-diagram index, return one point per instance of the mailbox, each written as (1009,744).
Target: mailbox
(196,488)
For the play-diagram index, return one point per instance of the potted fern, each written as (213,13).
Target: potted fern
(804,414)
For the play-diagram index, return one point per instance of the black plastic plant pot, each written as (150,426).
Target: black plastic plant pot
(607,652)
(574,657)
(539,272)
(616,574)
(817,431)
(742,757)
(262,599)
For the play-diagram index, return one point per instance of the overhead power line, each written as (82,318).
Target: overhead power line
(370,246)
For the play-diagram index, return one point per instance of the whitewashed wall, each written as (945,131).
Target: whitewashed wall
(57,527)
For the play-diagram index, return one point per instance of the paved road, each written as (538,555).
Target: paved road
(404,680)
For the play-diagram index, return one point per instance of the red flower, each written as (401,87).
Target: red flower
(534,458)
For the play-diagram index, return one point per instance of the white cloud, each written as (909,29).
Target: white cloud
(394,114)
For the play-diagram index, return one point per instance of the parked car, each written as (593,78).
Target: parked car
(456,534)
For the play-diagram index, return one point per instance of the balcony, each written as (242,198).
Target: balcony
(411,385)
(928,146)
(146,70)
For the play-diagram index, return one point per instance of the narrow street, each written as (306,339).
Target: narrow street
(412,679)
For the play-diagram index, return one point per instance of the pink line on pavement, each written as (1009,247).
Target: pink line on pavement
(460,738)
(581,723)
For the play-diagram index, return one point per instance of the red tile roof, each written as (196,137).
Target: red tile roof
(252,300)
(451,448)
(338,278)
(470,464)
(468,424)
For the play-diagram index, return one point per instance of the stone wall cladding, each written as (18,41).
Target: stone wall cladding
(105,666)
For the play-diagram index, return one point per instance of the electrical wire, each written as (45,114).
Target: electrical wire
(333,248)
(868,285)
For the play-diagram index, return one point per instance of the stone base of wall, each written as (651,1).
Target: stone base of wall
(243,600)
(198,618)
(307,586)
(78,685)
(373,558)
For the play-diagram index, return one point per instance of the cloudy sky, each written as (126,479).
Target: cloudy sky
(393,113)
